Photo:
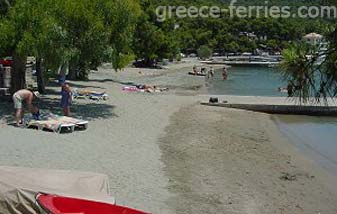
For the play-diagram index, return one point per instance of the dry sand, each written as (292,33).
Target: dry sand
(166,154)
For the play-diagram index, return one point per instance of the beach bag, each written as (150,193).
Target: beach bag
(213,100)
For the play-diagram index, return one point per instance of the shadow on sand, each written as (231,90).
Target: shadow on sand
(86,111)
(54,87)
(113,81)
(6,108)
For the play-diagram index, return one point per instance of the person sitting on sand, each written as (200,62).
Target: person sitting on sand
(66,99)
(27,96)
(224,73)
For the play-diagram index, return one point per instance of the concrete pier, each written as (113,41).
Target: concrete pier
(274,105)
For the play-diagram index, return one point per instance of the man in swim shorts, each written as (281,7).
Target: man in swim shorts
(18,98)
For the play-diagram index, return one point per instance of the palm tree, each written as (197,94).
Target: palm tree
(309,78)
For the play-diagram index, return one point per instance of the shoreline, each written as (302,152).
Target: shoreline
(240,166)
(165,153)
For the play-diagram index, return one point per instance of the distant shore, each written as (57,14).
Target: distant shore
(165,153)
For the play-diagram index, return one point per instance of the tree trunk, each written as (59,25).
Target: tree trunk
(72,75)
(39,74)
(18,73)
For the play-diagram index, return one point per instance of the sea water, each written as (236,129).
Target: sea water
(315,136)
(247,81)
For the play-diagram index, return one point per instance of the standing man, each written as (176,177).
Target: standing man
(18,98)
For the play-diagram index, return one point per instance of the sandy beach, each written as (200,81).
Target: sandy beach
(165,153)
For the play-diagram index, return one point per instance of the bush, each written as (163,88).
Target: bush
(204,52)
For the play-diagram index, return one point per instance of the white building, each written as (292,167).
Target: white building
(313,38)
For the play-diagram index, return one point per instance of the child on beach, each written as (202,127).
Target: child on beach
(66,99)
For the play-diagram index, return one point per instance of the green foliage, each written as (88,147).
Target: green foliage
(310,72)
(75,32)
(121,30)
(84,33)
(204,52)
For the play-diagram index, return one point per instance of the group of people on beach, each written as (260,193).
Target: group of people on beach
(210,73)
(27,96)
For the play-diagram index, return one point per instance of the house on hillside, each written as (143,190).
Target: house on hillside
(313,39)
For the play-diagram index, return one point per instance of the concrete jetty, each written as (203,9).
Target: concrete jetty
(274,105)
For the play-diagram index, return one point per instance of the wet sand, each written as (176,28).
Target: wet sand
(164,153)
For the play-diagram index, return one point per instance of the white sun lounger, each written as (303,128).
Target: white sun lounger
(50,125)
(80,124)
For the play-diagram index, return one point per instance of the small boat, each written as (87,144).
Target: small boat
(54,204)
(197,74)
(45,191)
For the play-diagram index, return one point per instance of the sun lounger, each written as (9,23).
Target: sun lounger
(55,123)
(51,125)
(79,124)
(93,95)
(48,123)
(98,96)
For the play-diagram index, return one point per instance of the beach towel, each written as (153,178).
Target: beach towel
(148,90)
(55,123)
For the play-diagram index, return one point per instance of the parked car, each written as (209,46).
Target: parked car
(143,64)
(7,61)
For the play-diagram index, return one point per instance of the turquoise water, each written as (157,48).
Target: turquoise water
(316,137)
(242,81)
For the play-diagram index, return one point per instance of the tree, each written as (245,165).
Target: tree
(86,37)
(204,52)
(311,73)
(148,41)
(17,34)
(31,28)
(4,6)
(120,18)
